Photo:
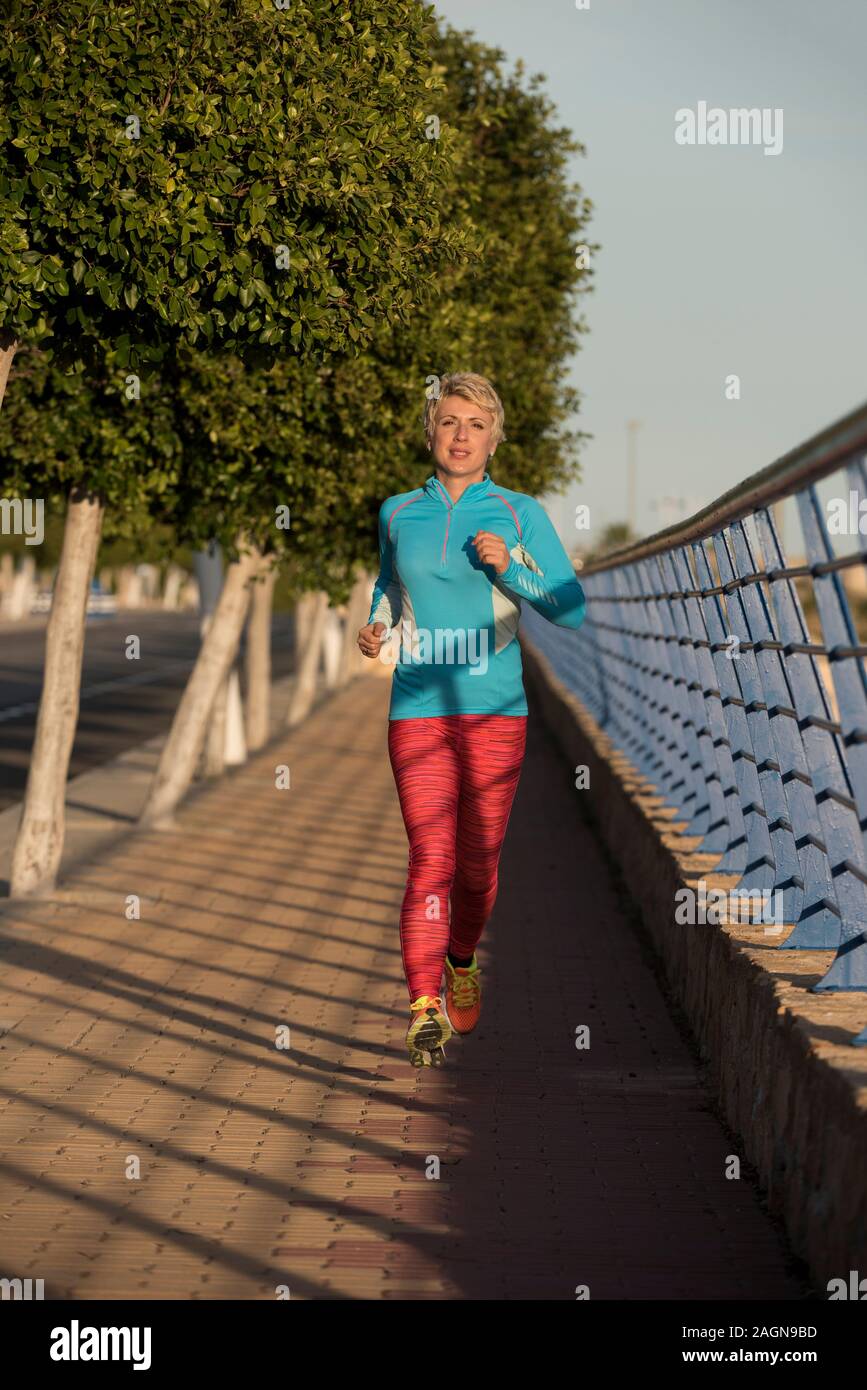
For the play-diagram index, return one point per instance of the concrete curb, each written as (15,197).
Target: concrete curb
(788,1080)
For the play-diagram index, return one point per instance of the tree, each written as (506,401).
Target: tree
(229,176)
(258,656)
(308,442)
(232,176)
(95,453)
(303,435)
(508,310)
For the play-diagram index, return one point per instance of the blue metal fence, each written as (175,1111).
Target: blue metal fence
(696,659)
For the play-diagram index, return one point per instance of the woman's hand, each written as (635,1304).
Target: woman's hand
(491,550)
(371,638)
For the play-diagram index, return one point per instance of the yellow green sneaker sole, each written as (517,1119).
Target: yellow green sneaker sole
(428,1033)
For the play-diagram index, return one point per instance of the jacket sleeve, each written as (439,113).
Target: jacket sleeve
(546,578)
(385,606)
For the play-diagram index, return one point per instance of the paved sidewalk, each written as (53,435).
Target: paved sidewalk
(154,1040)
(105,803)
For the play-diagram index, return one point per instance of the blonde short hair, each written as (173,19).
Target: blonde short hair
(471,387)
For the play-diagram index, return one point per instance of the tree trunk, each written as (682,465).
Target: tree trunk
(174,580)
(39,843)
(215,740)
(235,746)
(129,593)
(8,348)
(307,661)
(225,742)
(356,612)
(332,644)
(7,576)
(258,657)
(303,613)
(186,737)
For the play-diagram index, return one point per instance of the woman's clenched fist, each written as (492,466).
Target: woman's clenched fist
(371,638)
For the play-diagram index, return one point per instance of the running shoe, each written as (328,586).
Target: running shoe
(463,995)
(428,1031)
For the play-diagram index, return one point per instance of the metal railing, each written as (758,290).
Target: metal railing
(697,660)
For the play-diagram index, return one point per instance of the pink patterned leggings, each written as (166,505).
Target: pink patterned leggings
(456,777)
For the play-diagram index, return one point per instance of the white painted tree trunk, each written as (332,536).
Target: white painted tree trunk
(258,657)
(189,595)
(332,645)
(307,661)
(235,744)
(39,843)
(129,588)
(21,595)
(357,610)
(215,739)
(186,737)
(149,578)
(8,348)
(206,751)
(7,574)
(175,577)
(303,613)
(225,744)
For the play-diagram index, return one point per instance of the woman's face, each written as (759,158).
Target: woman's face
(462,437)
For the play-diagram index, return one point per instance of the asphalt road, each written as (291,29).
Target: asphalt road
(123,702)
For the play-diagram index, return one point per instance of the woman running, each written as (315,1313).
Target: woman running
(457,556)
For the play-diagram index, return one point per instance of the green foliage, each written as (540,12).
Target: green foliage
(158,157)
(218,441)
(60,430)
(508,311)
(46,555)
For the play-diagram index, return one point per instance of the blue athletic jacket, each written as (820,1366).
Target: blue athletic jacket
(457,618)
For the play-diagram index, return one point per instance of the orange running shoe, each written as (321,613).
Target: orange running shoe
(428,1031)
(463,995)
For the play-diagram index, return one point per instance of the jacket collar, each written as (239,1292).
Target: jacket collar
(434,488)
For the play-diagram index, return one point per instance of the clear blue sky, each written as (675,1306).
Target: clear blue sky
(715,259)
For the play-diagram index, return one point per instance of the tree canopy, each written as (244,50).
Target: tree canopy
(221,173)
(215,442)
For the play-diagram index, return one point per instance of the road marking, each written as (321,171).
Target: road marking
(138,678)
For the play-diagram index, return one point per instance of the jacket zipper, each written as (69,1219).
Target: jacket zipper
(450,508)
(446,538)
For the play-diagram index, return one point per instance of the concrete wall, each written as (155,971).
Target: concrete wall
(788,1080)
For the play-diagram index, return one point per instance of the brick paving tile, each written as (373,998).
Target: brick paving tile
(157,1140)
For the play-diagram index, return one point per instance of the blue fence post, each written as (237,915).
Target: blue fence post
(694,799)
(849,968)
(592,590)
(735,856)
(585,671)
(716,835)
(818,920)
(734,565)
(644,738)
(610,646)
(598,596)
(759,871)
(652,684)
